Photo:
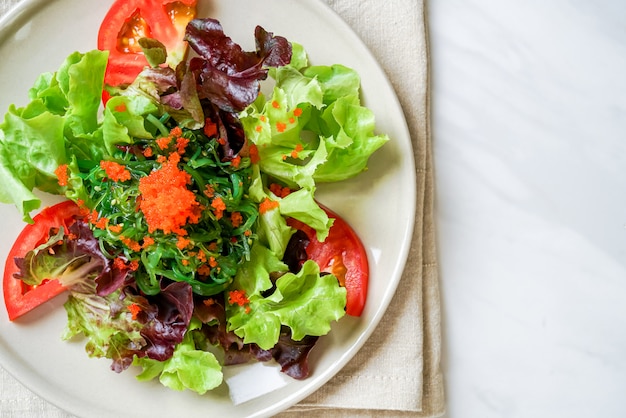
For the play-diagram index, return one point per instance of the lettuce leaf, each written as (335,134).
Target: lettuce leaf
(225,74)
(306,302)
(272,227)
(124,325)
(31,148)
(188,368)
(290,354)
(124,120)
(60,120)
(108,325)
(73,257)
(313,127)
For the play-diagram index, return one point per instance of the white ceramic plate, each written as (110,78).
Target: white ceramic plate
(380,205)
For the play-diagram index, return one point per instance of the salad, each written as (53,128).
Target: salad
(191,238)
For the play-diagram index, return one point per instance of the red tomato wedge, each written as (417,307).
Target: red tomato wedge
(20,298)
(127,21)
(342,254)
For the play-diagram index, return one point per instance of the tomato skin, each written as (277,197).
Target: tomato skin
(129,20)
(20,298)
(342,254)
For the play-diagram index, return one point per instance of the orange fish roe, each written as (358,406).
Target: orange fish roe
(120,108)
(209,191)
(62,174)
(254,154)
(210,128)
(212,246)
(176,136)
(164,142)
(247,233)
(297,150)
(280,191)
(292,120)
(212,262)
(133,265)
(209,302)
(93,216)
(115,228)
(258,128)
(166,202)
(119,264)
(262,118)
(115,171)
(267,205)
(134,310)
(100,223)
(176,132)
(201,256)
(238,297)
(235,162)
(236,219)
(147,241)
(222,141)
(131,244)
(204,270)
(219,207)
(181,144)
(280,126)
(147,152)
(182,243)
(297,112)
(275,105)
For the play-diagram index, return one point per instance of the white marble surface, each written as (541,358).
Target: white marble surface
(529,130)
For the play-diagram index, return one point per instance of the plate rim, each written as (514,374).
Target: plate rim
(29,379)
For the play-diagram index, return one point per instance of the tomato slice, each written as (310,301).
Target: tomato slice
(342,254)
(19,297)
(127,21)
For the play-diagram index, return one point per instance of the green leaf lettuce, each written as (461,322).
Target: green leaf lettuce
(313,127)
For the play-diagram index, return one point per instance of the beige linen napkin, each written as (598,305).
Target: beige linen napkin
(397,373)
